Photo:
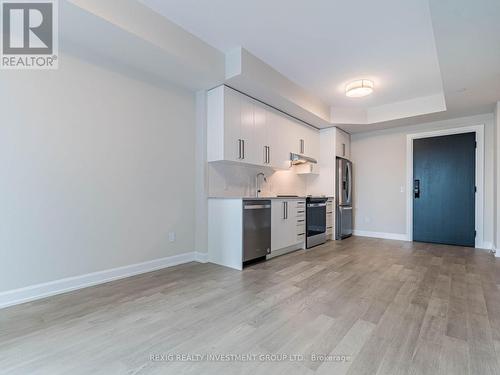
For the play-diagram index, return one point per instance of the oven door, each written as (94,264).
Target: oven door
(315,224)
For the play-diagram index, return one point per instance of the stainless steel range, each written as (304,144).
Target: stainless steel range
(315,221)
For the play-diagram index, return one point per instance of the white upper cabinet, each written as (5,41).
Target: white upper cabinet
(297,135)
(310,143)
(224,136)
(342,144)
(232,132)
(231,127)
(280,141)
(244,130)
(252,139)
(305,139)
(261,134)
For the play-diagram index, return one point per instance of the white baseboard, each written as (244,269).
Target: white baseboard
(386,236)
(486,245)
(34,292)
(402,237)
(286,250)
(201,257)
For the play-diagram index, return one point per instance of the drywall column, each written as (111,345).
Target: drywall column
(201,184)
(496,218)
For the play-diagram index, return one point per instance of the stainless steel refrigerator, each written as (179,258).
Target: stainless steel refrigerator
(343,197)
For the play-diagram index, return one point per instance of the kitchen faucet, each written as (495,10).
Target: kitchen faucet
(257,185)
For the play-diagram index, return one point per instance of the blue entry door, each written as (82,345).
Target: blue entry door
(444,170)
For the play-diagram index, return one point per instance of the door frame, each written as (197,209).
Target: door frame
(479,199)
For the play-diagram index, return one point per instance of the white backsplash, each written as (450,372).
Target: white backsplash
(238,180)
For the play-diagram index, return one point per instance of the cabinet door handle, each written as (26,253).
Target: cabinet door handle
(265,154)
(284,210)
(239,148)
(268,154)
(243,142)
(301,146)
(343,149)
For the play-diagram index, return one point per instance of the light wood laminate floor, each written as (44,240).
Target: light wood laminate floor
(391,307)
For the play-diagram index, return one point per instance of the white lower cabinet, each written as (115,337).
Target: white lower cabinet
(301,222)
(287,223)
(225,229)
(330,219)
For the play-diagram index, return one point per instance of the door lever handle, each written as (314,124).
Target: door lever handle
(416,188)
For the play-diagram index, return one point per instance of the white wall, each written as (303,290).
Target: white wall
(95,170)
(380,172)
(496,240)
(379,168)
(201,175)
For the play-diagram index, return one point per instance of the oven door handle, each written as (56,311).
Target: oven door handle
(256,206)
(316,205)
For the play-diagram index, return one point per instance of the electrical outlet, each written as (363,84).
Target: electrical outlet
(171,237)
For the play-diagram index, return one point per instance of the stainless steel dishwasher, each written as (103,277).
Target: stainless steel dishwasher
(256,229)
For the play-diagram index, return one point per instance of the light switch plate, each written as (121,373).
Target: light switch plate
(171,237)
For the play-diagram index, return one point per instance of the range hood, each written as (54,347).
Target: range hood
(296,159)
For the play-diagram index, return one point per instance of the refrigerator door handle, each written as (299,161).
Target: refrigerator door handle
(340,182)
(349,183)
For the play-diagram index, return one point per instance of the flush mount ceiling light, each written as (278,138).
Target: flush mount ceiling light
(359,88)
